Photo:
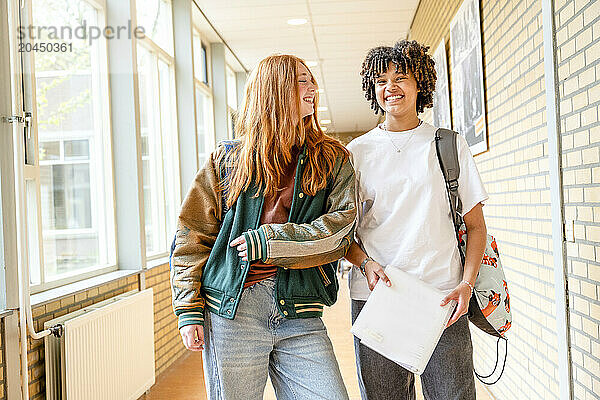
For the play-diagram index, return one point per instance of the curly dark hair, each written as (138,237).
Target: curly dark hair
(408,56)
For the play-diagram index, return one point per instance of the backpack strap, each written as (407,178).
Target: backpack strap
(447,154)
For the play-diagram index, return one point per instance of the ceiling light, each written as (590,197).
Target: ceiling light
(322,108)
(297,21)
(325,121)
(324,129)
(311,63)
(320,91)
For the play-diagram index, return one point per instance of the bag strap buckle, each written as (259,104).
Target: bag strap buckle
(453,185)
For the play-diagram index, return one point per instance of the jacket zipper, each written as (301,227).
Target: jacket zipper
(294,196)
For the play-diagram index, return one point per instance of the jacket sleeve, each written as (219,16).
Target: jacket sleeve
(197,229)
(324,240)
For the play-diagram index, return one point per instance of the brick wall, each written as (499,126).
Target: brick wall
(515,171)
(578,58)
(167,344)
(432,22)
(430,34)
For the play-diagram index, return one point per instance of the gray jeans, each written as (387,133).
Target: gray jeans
(295,353)
(448,375)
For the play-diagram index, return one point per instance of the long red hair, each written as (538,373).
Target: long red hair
(268,129)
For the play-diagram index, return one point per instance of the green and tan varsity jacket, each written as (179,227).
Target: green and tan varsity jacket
(207,273)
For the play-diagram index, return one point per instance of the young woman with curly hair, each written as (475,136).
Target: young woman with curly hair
(405,221)
(257,240)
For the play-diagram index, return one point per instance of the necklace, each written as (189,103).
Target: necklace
(411,134)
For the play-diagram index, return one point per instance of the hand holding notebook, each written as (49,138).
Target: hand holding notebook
(403,322)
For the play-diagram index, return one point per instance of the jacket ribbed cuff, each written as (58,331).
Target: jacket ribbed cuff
(190,318)
(256,243)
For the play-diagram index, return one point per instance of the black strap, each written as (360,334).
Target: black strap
(482,377)
(447,154)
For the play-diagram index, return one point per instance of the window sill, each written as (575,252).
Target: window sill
(157,262)
(77,287)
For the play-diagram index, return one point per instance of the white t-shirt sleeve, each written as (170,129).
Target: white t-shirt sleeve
(363,200)
(359,290)
(470,186)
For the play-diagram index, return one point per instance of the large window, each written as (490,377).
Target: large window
(231,100)
(160,165)
(200,59)
(203,94)
(156,17)
(66,187)
(204,129)
(231,89)
(70,216)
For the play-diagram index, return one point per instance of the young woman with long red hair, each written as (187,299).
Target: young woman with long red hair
(257,240)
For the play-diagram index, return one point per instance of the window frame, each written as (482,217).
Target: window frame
(102,64)
(230,73)
(146,40)
(209,135)
(31,171)
(231,111)
(203,87)
(161,55)
(6,134)
(196,34)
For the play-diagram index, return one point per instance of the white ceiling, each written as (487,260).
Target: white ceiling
(338,35)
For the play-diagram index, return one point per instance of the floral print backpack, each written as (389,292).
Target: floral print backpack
(489,309)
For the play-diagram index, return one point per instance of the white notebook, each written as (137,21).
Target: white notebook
(403,322)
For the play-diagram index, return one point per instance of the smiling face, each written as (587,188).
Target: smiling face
(396,92)
(306,90)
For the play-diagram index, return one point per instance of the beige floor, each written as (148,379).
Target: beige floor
(185,380)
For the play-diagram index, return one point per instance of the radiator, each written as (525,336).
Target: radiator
(105,352)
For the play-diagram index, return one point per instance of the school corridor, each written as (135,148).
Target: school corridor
(184,379)
(108,108)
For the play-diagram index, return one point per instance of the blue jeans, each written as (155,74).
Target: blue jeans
(295,353)
(448,375)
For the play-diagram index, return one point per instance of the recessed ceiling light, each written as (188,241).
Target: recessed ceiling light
(325,121)
(322,108)
(297,21)
(320,90)
(324,129)
(311,63)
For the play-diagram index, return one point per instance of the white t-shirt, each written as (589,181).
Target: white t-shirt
(404,214)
